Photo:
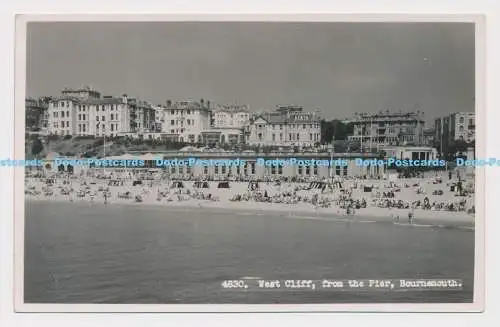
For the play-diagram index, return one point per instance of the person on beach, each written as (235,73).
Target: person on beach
(410,218)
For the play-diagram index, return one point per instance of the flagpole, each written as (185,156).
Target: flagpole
(371,128)
(104,151)
(331,158)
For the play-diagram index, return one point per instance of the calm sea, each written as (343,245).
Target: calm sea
(82,253)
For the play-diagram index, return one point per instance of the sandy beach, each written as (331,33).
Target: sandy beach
(409,193)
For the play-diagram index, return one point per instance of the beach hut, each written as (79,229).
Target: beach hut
(200,185)
(320,186)
(224,185)
(177,184)
(149,160)
(115,182)
(50,181)
(136,182)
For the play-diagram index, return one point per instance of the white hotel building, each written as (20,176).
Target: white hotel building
(287,126)
(388,128)
(228,124)
(83,112)
(185,121)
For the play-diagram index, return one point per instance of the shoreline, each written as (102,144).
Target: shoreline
(438,218)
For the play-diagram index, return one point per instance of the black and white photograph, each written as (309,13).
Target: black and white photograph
(249,162)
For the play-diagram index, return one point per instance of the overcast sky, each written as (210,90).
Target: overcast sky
(336,68)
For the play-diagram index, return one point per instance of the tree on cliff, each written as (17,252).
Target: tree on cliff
(36,147)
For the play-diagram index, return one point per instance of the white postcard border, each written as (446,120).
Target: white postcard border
(20,86)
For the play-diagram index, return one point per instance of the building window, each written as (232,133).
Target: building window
(223,169)
(298,137)
(281,127)
(238,170)
(345,170)
(337,170)
(112,117)
(290,137)
(252,166)
(62,114)
(84,127)
(315,170)
(112,127)
(461,120)
(280,170)
(310,136)
(216,169)
(97,118)
(308,170)
(181,170)
(299,170)
(103,118)
(205,170)
(304,126)
(172,122)
(274,137)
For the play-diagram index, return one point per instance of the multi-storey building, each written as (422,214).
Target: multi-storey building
(230,116)
(463,126)
(388,129)
(185,121)
(84,111)
(429,136)
(228,123)
(459,126)
(287,126)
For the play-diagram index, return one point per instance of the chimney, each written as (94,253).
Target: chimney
(202,102)
(124,98)
(208,104)
(169,103)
